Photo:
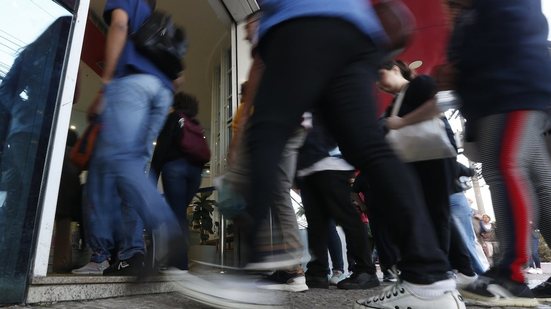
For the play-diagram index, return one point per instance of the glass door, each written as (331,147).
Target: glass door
(34,38)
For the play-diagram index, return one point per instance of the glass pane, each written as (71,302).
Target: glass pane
(31,63)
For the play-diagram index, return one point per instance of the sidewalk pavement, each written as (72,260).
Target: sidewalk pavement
(314,298)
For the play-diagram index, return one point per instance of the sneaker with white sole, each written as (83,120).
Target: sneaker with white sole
(464,281)
(542,292)
(495,291)
(284,281)
(91,268)
(172,271)
(399,296)
(337,277)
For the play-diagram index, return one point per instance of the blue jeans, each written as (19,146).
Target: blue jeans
(462,217)
(181,180)
(120,193)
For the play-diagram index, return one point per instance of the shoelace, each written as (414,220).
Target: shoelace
(389,292)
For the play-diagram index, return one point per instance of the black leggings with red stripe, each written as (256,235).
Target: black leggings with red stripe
(516,166)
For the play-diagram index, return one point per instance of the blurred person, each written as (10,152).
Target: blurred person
(462,214)
(136,98)
(289,277)
(534,264)
(326,195)
(488,236)
(325,53)
(181,176)
(499,52)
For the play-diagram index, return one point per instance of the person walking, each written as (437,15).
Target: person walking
(180,174)
(121,197)
(325,53)
(499,51)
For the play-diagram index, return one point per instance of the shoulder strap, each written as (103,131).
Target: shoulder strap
(398,102)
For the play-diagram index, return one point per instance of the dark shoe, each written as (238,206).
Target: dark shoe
(284,281)
(359,281)
(389,276)
(543,291)
(490,290)
(317,282)
(133,266)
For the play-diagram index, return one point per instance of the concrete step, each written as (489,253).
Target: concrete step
(56,288)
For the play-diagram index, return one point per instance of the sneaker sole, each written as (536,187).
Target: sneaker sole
(284,287)
(87,273)
(479,300)
(221,302)
(365,287)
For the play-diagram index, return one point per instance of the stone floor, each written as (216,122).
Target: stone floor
(314,298)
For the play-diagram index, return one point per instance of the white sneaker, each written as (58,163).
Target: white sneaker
(539,271)
(532,271)
(173,271)
(337,277)
(399,296)
(228,292)
(464,281)
(91,268)
(289,283)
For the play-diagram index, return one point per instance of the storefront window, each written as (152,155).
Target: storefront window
(33,42)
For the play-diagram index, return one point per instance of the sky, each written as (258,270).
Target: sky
(546,8)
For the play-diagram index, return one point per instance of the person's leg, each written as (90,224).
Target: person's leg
(512,153)
(334,245)
(461,217)
(434,177)
(318,221)
(535,252)
(180,183)
(459,254)
(283,210)
(135,109)
(507,144)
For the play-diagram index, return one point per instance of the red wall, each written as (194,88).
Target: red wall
(430,38)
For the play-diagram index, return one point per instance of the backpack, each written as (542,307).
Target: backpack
(162,42)
(192,140)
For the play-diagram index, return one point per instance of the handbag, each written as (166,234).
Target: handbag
(426,140)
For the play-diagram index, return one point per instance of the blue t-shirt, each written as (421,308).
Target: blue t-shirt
(131,61)
(357,12)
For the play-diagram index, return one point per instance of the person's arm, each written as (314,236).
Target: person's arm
(424,112)
(116,39)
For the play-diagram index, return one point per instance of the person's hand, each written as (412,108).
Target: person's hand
(95,108)
(395,123)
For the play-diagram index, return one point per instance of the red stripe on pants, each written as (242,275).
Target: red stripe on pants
(513,183)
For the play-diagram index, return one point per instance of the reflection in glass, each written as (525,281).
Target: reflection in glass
(28,96)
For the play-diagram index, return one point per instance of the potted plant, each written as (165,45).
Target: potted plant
(203,208)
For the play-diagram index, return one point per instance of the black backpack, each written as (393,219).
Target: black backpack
(162,42)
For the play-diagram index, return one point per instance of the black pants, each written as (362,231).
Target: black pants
(329,64)
(326,196)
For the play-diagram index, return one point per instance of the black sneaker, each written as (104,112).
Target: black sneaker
(317,282)
(359,281)
(133,266)
(543,291)
(490,291)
